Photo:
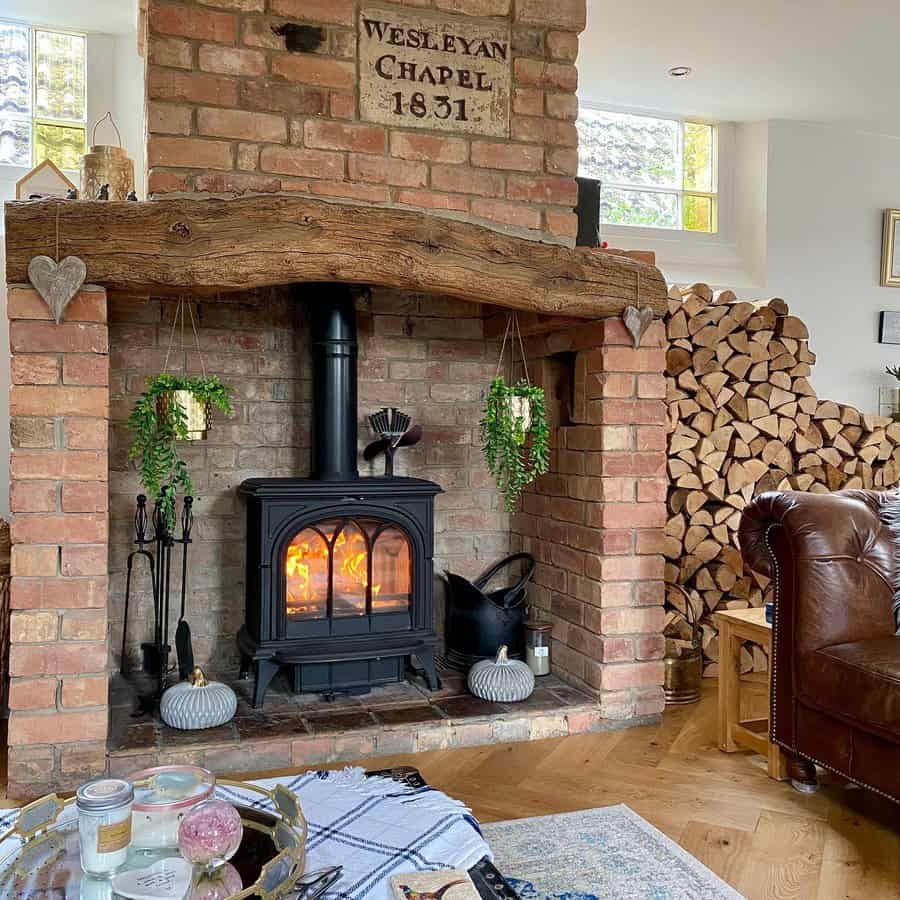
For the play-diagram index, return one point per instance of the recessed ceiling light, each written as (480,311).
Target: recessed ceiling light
(680,71)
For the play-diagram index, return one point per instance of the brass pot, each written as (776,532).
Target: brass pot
(682,677)
(106,164)
(196,412)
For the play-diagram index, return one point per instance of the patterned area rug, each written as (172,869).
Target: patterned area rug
(598,854)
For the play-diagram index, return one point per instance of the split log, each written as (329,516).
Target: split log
(743,418)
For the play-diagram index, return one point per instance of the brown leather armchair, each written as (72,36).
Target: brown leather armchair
(836,650)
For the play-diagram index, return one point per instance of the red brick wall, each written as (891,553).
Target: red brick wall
(594,522)
(231,111)
(58,498)
(427,355)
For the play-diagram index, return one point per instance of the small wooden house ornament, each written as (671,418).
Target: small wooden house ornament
(43,181)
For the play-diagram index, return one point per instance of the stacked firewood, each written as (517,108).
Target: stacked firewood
(743,419)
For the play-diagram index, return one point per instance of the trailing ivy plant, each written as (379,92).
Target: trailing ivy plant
(513,459)
(157,428)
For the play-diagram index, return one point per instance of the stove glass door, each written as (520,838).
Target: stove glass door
(342,568)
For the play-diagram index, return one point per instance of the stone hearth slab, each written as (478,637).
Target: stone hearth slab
(307,729)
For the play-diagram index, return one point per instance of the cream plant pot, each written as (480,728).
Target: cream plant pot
(520,409)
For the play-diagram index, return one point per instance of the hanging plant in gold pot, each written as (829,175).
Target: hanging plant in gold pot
(515,435)
(159,421)
(172,409)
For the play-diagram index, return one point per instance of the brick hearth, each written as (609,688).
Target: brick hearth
(231,111)
(304,730)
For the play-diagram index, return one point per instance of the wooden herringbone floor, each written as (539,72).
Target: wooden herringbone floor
(761,836)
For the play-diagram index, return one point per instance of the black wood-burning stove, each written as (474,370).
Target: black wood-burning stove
(339,568)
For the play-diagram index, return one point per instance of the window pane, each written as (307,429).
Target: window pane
(59,71)
(698,213)
(15,70)
(61,143)
(649,208)
(626,149)
(15,141)
(698,157)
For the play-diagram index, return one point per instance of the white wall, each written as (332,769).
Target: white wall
(827,189)
(129,98)
(751,161)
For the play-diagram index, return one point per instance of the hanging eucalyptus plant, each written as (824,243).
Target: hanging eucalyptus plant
(515,436)
(159,422)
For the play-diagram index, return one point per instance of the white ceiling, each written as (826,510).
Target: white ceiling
(812,60)
(110,16)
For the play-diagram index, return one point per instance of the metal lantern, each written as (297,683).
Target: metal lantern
(106,165)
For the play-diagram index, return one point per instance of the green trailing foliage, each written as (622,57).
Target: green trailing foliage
(159,426)
(515,455)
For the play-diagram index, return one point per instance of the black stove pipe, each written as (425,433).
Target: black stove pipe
(334,353)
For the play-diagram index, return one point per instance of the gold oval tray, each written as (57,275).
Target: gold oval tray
(42,862)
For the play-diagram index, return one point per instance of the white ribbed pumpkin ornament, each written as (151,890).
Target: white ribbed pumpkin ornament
(501,680)
(197,703)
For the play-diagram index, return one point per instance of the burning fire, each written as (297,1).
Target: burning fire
(305,559)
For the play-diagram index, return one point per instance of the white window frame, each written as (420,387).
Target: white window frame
(33,28)
(679,193)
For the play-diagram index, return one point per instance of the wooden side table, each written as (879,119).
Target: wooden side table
(735,627)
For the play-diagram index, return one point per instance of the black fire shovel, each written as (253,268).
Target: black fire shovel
(183,645)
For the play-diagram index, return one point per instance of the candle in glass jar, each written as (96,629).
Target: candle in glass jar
(104,824)
(537,646)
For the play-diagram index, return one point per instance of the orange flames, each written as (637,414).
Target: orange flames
(306,566)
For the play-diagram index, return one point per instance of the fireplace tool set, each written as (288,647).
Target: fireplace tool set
(159,561)
(392,428)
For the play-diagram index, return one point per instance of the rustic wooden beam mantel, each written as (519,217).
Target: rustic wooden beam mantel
(210,245)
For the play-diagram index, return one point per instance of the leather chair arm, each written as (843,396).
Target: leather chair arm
(832,558)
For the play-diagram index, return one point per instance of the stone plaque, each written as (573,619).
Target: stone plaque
(441,72)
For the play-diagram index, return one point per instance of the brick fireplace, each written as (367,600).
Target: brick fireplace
(233,113)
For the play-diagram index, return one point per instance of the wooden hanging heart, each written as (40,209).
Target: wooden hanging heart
(56,282)
(637,321)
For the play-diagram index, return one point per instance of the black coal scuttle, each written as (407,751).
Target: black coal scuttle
(339,568)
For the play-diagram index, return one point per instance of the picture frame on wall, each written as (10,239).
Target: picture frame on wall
(890,252)
(889,328)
